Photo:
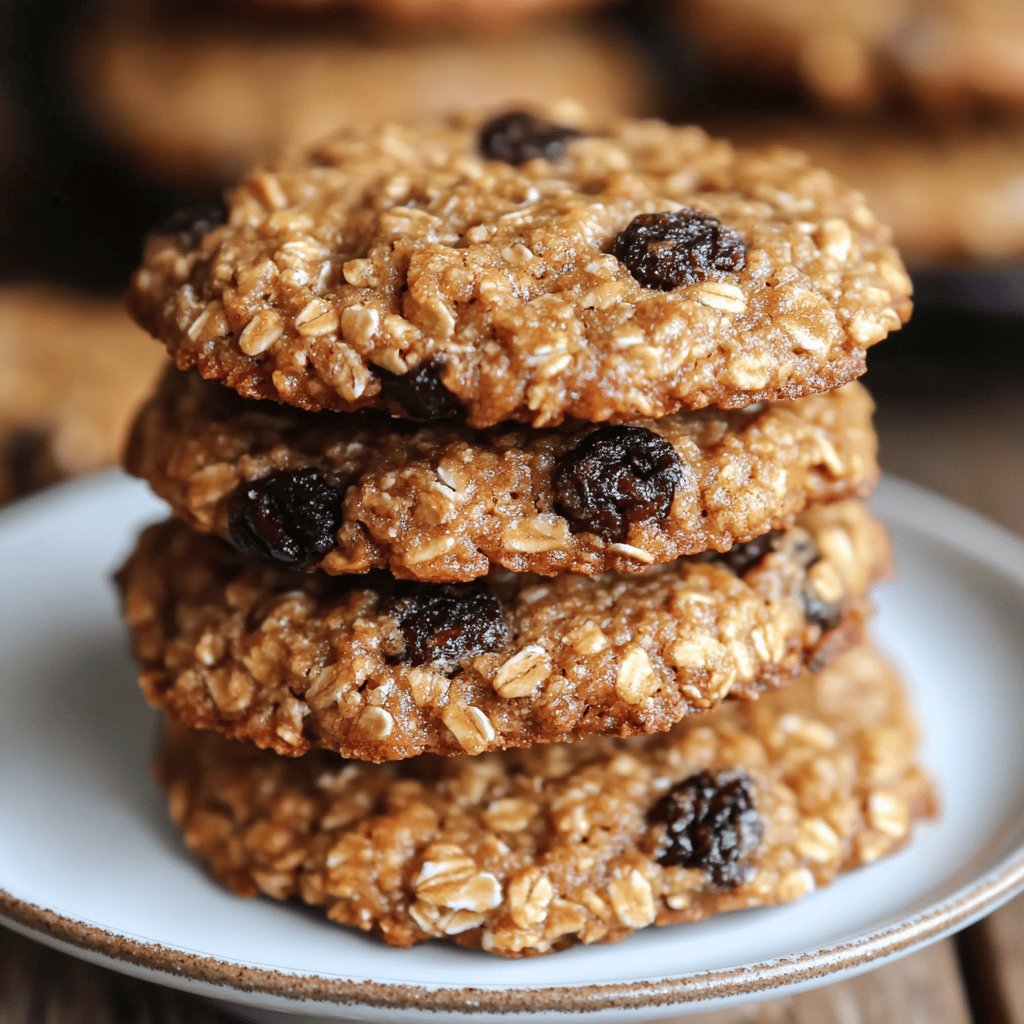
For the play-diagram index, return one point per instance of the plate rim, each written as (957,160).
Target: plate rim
(967,905)
(942,518)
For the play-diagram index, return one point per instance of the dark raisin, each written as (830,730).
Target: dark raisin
(615,477)
(418,394)
(442,625)
(192,222)
(826,614)
(669,250)
(289,517)
(710,823)
(517,137)
(743,557)
(802,549)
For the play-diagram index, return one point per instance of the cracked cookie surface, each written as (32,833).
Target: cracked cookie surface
(527,852)
(442,503)
(379,670)
(403,268)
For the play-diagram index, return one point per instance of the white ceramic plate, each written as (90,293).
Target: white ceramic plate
(89,863)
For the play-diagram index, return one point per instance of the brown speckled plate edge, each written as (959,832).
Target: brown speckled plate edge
(967,905)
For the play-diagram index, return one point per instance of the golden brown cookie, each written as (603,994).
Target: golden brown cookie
(442,503)
(379,671)
(949,192)
(529,267)
(243,90)
(440,15)
(74,370)
(942,54)
(527,852)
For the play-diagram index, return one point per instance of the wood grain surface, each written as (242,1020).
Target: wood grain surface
(992,955)
(925,988)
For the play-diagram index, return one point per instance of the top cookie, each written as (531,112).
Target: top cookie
(526,267)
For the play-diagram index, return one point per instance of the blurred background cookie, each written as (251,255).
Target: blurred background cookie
(436,14)
(940,54)
(951,193)
(245,88)
(74,370)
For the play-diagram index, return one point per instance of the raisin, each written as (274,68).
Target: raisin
(418,394)
(743,557)
(192,222)
(517,137)
(289,517)
(826,614)
(615,477)
(802,549)
(710,823)
(668,250)
(442,625)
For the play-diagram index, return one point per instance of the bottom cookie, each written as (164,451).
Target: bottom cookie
(527,852)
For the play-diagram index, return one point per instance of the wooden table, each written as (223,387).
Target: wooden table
(971,451)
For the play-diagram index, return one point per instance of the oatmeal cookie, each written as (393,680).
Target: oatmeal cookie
(526,266)
(442,503)
(74,369)
(379,671)
(528,852)
(941,54)
(949,191)
(462,15)
(243,92)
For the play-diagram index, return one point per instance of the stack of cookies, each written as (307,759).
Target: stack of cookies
(518,579)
